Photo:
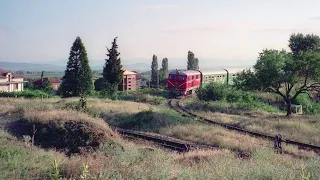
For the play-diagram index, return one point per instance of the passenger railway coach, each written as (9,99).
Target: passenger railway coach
(184,82)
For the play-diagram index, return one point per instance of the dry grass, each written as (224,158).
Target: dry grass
(215,136)
(126,160)
(195,157)
(305,128)
(63,116)
(119,106)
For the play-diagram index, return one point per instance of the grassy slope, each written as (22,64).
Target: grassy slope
(305,128)
(20,161)
(110,161)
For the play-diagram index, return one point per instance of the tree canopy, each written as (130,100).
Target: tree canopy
(287,74)
(77,80)
(154,72)
(164,69)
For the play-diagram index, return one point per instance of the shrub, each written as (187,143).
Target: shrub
(234,95)
(68,130)
(26,94)
(212,91)
(308,105)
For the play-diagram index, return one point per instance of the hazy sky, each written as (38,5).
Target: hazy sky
(231,31)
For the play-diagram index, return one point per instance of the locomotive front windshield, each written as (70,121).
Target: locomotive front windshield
(182,77)
(178,77)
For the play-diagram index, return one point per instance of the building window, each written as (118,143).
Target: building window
(129,82)
(129,88)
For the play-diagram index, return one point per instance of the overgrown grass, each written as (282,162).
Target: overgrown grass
(19,161)
(305,128)
(223,98)
(151,120)
(147,95)
(119,159)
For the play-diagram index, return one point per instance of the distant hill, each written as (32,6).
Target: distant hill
(142,66)
(15,66)
(38,67)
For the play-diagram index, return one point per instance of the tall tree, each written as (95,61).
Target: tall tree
(196,64)
(164,69)
(193,63)
(77,80)
(112,71)
(154,72)
(286,74)
(190,60)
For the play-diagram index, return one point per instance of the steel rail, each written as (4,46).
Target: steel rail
(185,112)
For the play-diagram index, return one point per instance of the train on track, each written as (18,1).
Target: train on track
(185,82)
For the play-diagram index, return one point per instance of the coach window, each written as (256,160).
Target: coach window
(172,76)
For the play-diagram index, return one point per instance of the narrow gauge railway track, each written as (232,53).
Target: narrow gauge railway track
(175,104)
(164,141)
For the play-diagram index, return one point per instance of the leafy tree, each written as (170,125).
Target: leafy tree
(112,71)
(190,60)
(286,74)
(154,72)
(164,69)
(196,63)
(77,80)
(299,43)
(193,63)
(46,87)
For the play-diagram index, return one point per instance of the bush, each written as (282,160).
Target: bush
(26,94)
(234,96)
(231,100)
(308,105)
(212,91)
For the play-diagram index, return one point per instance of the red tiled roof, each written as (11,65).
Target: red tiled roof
(126,72)
(3,74)
(51,80)
(138,76)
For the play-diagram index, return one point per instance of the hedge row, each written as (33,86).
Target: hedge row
(26,94)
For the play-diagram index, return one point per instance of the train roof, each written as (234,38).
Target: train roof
(185,72)
(221,71)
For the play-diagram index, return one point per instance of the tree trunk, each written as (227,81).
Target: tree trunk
(288,103)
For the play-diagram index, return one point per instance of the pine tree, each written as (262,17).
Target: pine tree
(77,80)
(112,71)
(154,72)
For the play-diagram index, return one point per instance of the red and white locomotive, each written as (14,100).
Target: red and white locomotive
(184,82)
